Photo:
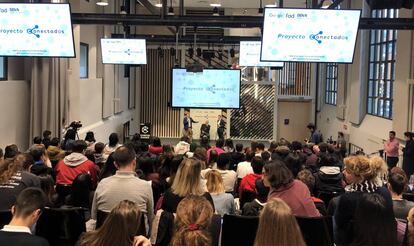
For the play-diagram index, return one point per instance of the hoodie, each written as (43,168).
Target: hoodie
(328,179)
(248,183)
(73,165)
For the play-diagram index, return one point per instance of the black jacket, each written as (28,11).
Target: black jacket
(328,180)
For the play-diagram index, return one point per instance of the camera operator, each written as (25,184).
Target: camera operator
(70,135)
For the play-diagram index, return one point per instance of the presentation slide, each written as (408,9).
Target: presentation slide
(250,55)
(124,51)
(43,30)
(213,88)
(309,35)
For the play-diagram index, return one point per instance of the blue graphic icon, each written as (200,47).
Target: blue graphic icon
(30,31)
(280,15)
(315,37)
(128,52)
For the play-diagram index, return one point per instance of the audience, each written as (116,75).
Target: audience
(309,180)
(329,177)
(278,226)
(75,164)
(69,139)
(112,145)
(218,148)
(119,228)
(1,154)
(192,222)
(124,185)
(13,180)
(254,207)
(228,146)
(46,138)
(237,156)
(11,151)
(248,183)
(183,146)
(229,176)
(397,184)
(40,158)
(295,193)
(26,211)
(223,202)
(98,154)
(186,182)
(90,140)
(54,152)
(156,147)
(245,167)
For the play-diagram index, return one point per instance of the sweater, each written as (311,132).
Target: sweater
(73,165)
(297,196)
(248,183)
(224,203)
(21,239)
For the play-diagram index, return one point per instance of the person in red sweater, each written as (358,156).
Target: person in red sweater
(248,183)
(294,192)
(156,147)
(74,164)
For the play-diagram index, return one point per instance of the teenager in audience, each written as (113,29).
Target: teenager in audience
(124,185)
(183,146)
(254,207)
(294,162)
(187,181)
(69,139)
(46,138)
(90,140)
(272,147)
(11,151)
(360,174)
(309,180)
(112,145)
(374,223)
(245,167)
(13,180)
(259,149)
(37,140)
(248,183)
(48,186)
(156,147)
(408,154)
(237,156)
(75,164)
(397,184)
(200,154)
(329,178)
(295,193)
(228,146)
(212,161)
(223,202)
(26,211)
(54,152)
(229,176)
(169,170)
(278,226)
(147,166)
(108,168)
(192,222)
(98,154)
(42,164)
(218,148)
(119,228)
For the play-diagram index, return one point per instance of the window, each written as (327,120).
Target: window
(84,60)
(331,86)
(381,70)
(3,68)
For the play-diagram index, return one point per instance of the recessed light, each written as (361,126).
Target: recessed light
(215,4)
(158,5)
(102,2)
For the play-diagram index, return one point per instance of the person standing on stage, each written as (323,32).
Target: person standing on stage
(220,127)
(408,154)
(205,130)
(188,125)
(391,149)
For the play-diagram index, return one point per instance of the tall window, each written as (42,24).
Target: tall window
(331,86)
(3,68)
(84,60)
(381,73)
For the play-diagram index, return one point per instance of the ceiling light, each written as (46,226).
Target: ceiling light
(216,11)
(271,5)
(215,3)
(102,3)
(159,4)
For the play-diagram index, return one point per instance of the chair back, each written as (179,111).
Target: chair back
(316,231)
(102,215)
(239,230)
(5,217)
(81,189)
(248,196)
(61,226)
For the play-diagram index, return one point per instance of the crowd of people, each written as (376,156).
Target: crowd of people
(180,193)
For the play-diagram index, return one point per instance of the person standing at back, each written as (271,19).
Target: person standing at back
(408,156)
(316,136)
(26,211)
(391,149)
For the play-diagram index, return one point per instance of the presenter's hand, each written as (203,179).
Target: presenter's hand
(141,241)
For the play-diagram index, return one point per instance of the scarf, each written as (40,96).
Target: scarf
(366,186)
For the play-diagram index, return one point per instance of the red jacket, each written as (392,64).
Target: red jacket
(155,150)
(73,165)
(297,196)
(248,183)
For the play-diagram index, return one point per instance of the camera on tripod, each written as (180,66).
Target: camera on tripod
(75,125)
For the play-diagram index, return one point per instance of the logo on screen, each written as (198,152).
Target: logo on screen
(36,31)
(33,30)
(128,52)
(316,37)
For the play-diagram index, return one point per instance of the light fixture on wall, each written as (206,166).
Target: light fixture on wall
(159,4)
(171,9)
(102,3)
(216,11)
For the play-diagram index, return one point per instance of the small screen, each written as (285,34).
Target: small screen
(124,51)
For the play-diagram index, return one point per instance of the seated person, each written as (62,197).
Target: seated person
(248,183)
(396,185)
(255,207)
(40,158)
(309,180)
(26,211)
(329,178)
(223,202)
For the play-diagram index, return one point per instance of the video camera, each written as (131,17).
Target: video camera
(75,125)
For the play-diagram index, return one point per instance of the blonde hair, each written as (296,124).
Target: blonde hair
(193,219)
(361,167)
(188,178)
(215,182)
(278,224)
(380,168)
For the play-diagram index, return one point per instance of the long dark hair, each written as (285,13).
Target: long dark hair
(277,174)
(90,137)
(119,227)
(113,139)
(374,223)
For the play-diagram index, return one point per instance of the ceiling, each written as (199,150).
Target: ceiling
(239,4)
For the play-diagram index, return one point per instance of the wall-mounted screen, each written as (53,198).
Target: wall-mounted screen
(309,35)
(42,30)
(250,55)
(212,88)
(124,51)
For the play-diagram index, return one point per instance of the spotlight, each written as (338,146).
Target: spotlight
(191,52)
(172,51)
(198,52)
(102,3)
(171,11)
(232,52)
(216,11)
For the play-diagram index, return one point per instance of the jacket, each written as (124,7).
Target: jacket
(73,165)
(328,180)
(248,183)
